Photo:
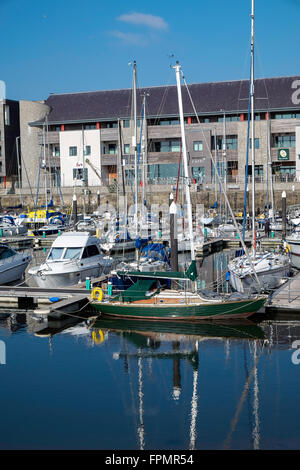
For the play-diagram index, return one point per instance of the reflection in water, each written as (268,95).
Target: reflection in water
(152,336)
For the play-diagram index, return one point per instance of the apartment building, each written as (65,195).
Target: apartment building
(89,134)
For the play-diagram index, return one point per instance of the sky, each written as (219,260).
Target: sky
(62,46)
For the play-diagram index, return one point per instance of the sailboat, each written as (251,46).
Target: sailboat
(270,268)
(146,299)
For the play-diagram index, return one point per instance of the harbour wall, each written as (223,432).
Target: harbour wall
(157,195)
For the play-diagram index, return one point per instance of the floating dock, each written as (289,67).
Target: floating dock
(53,303)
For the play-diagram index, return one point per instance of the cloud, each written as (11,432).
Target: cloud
(155,22)
(130,38)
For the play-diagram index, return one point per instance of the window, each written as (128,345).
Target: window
(162,174)
(126,123)
(169,122)
(87,150)
(127,149)
(72,253)
(284,140)
(0,151)
(198,146)
(90,126)
(167,146)
(286,116)
(6,115)
(73,151)
(112,149)
(198,174)
(110,125)
(1,169)
(56,253)
(80,174)
(256,143)
(232,118)
(93,250)
(220,171)
(56,152)
(231,142)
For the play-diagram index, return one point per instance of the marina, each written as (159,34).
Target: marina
(149,229)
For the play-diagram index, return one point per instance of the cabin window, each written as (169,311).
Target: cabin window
(7,253)
(72,253)
(126,123)
(55,253)
(93,250)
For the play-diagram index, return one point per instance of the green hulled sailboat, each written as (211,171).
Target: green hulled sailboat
(146,299)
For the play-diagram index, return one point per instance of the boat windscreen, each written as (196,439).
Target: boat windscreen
(73,253)
(55,253)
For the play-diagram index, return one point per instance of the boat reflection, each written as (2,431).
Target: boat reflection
(179,343)
(240,328)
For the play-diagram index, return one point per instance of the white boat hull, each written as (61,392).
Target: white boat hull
(47,279)
(270,279)
(13,269)
(295,252)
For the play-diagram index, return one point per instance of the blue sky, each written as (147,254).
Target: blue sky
(70,45)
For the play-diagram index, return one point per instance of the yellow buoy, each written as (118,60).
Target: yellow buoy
(97,294)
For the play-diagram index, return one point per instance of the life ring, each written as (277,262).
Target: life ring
(98,336)
(97,294)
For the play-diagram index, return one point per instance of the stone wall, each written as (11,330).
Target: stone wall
(205,197)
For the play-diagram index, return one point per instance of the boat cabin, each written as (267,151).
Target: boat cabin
(74,246)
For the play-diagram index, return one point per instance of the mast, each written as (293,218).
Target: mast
(252,127)
(45,168)
(83,172)
(269,167)
(224,160)
(134,144)
(184,152)
(144,140)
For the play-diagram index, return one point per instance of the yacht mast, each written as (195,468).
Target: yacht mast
(252,127)
(134,144)
(177,68)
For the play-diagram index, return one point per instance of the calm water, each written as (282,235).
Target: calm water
(131,385)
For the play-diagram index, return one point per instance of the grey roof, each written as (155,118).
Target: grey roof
(209,98)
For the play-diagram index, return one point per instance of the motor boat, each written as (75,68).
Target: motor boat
(9,228)
(55,226)
(272,269)
(73,257)
(12,264)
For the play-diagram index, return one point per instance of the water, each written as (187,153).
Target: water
(131,385)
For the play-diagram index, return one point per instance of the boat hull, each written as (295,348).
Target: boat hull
(64,279)
(13,271)
(295,252)
(154,311)
(269,280)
